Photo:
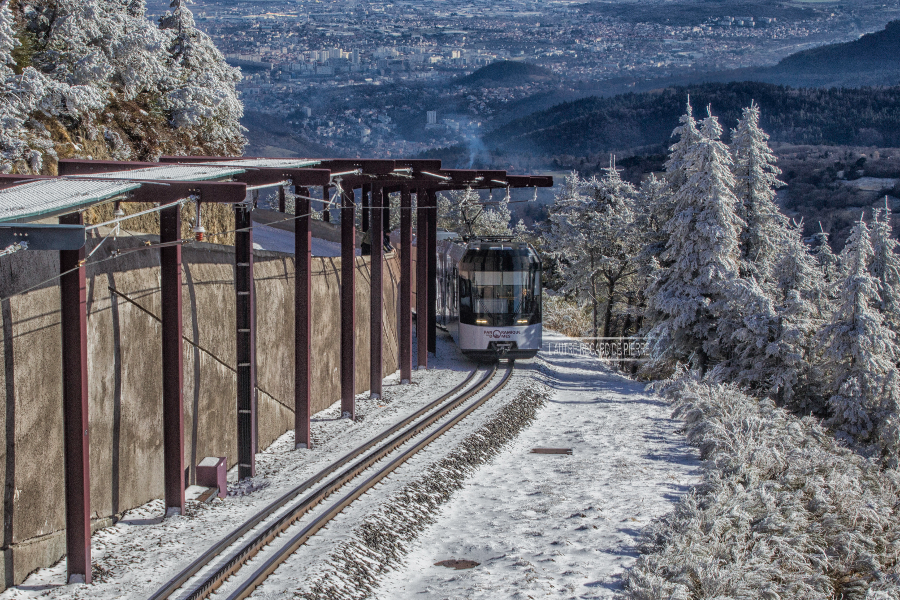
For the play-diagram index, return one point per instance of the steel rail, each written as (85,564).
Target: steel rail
(236,560)
(219,547)
(272,563)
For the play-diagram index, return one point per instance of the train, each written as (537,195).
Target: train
(489,296)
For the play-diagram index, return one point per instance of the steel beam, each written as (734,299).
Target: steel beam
(348,305)
(76,454)
(326,214)
(376,307)
(432,271)
(282,199)
(172,359)
(422,279)
(245,341)
(302,321)
(405,286)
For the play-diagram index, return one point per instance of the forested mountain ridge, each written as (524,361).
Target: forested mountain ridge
(96,79)
(845,116)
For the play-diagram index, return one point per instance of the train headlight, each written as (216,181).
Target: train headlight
(522,321)
(481,321)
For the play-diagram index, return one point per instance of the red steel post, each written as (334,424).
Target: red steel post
(244,340)
(422,278)
(405,286)
(172,358)
(302,322)
(376,317)
(348,305)
(73,303)
(432,270)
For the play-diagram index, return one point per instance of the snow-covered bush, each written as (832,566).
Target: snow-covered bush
(565,316)
(783,510)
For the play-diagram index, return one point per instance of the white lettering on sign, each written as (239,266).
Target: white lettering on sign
(499,334)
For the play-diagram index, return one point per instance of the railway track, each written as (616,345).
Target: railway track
(200,578)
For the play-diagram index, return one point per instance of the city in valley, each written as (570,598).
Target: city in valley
(365,78)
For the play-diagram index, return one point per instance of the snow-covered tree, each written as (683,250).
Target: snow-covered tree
(592,235)
(859,351)
(774,328)
(464,212)
(886,267)
(678,165)
(203,95)
(8,41)
(103,72)
(700,261)
(756,178)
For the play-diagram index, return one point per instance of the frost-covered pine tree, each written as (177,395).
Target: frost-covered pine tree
(678,165)
(688,296)
(885,266)
(660,206)
(756,178)
(859,351)
(775,333)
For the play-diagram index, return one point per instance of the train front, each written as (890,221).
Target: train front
(499,300)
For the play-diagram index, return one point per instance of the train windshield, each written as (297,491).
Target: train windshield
(500,287)
(499,292)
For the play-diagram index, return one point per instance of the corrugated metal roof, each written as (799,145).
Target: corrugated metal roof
(46,196)
(273,163)
(197,172)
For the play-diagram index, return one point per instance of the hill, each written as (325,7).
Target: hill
(507,73)
(860,117)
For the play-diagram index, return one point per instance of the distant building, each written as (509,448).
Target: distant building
(432,117)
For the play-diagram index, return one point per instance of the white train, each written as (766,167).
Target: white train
(489,296)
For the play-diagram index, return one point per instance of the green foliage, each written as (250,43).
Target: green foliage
(23,53)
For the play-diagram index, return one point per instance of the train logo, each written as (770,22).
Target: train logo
(499,334)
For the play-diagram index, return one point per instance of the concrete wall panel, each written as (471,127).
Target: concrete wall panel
(125,378)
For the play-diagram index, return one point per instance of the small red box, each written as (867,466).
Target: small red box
(211,473)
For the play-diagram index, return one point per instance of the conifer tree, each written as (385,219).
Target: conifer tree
(701,256)
(886,266)
(756,178)
(859,350)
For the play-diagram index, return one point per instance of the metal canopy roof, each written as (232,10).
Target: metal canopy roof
(265,163)
(48,196)
(171,173)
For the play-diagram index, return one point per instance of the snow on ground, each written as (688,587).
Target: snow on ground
(133,558)
(278,240)
(556,525)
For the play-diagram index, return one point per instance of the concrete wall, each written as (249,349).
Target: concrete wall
(125,376)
